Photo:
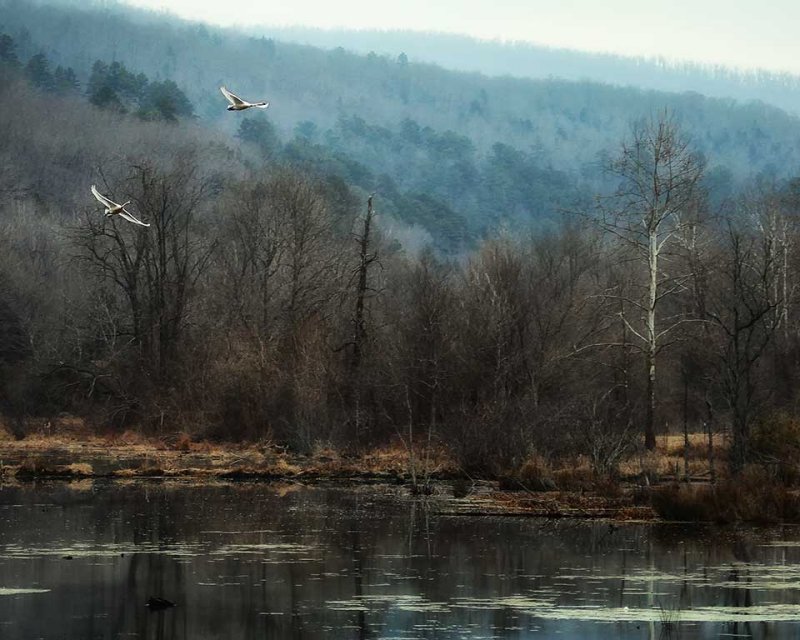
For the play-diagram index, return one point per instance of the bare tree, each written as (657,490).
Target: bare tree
(652,208)
(363,291)
(428,335)
(311,274)
(366,258)
(736,299)
(175,256)
(154,269)
(253,249)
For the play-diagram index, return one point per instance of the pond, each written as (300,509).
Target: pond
(257,560)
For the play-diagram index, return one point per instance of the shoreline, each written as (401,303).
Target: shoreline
(54,458)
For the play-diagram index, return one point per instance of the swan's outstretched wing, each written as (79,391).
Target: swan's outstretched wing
(234,100)
(131,218)
(103,200)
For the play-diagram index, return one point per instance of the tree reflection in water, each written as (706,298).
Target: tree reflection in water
(262,561)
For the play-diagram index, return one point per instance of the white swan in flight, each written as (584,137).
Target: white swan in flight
(112,208)
(237,104)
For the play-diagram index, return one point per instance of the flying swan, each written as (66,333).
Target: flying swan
(112,208)
(237,104)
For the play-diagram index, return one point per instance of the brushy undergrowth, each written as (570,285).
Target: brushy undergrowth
(753,496)
(775,444)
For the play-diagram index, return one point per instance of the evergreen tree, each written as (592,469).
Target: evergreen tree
(65,80)
(125,83)
(38,72)
(8,50)
(97,83)
(164,101)
(110,84)
(106,98)
(114,86)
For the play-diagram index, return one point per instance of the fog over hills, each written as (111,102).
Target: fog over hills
(526,60)
(453,152)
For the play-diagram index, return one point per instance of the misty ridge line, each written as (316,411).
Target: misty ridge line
(530,60)
(497,58)
(345,36)
(293,31)
(454,154)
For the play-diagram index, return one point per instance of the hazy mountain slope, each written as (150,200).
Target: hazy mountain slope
(532,61)
(451,150)
(568,121)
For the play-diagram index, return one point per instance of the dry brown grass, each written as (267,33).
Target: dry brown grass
(180,455)
(127,438)
(183,442)
(575,475)
(324,452)
(568,475)
(389,457)
(394,458)
(41,466)
(656,466)
(666,462)
(5,432)
(204,446)
(284,467)
(536,474)
(69,425)
(673,445)
(79,469)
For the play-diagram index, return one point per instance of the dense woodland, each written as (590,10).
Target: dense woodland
(452,155)
(274,298)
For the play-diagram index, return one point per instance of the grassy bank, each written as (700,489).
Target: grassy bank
(644,486)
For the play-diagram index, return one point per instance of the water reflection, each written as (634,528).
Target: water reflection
(264,561)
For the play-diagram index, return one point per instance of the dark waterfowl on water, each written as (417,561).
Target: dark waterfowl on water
(157,604)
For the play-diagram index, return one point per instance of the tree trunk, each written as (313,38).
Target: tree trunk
(710,427)
(686,427)
(359,323)
(649,426)
(652,343)
(741,437)
(359,328)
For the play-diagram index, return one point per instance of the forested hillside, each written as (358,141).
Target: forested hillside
(452,154)
(272,298)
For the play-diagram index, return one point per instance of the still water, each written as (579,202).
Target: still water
(79,561)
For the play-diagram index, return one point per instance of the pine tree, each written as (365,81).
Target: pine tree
(38,72)
(65,80)
(101,93)
(8,50)
(164,101)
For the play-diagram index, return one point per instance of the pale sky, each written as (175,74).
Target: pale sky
(739,33)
